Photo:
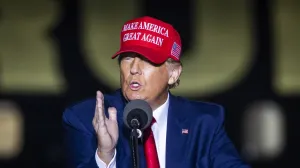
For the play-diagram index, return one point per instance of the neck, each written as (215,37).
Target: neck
(160,100)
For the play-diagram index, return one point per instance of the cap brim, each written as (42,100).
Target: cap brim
(150,54)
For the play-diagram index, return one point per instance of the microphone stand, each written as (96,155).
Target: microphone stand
(134,143)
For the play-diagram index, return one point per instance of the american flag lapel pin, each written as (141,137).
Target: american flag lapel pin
(184,131)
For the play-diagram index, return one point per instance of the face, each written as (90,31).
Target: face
(141,79)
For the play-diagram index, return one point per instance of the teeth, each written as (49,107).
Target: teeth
(135,84)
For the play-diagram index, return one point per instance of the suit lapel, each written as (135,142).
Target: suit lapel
(176,139)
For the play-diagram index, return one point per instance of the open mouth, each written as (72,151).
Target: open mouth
(135,85)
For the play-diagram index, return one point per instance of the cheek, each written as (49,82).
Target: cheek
(123,75)
(156,76)
(148,72)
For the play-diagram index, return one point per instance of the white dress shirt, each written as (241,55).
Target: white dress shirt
(160,134)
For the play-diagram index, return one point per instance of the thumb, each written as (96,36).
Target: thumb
(112,112)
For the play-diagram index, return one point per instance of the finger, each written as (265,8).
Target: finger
(100,107)
(95,119)
(101,116)
(112,113)
(96,115)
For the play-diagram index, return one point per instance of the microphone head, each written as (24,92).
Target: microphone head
(140,110)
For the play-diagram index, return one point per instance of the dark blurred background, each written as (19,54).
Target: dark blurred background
(241,54)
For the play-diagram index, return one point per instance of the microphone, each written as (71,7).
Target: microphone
(137,115)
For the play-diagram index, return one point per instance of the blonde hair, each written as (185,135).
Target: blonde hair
(176,63)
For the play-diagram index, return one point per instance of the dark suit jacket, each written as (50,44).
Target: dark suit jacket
(206,144)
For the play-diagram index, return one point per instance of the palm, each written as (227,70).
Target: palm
(107,139)
(106,128)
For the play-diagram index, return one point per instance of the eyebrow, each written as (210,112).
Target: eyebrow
(137,55)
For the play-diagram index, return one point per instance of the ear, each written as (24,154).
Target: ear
(174,73)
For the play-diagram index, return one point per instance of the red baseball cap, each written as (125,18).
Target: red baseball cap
(152,38)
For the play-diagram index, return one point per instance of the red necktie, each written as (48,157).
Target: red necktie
(150,148)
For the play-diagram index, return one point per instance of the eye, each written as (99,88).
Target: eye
(127,58)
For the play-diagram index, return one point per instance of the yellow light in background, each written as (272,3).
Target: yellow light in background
(287,51)
(29,60)
(11,130)
(222,52)
(102,22)
(264,131)
(220,57)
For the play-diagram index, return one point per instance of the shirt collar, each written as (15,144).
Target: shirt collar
(161,113)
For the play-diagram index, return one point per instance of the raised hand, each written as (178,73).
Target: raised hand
(106,129)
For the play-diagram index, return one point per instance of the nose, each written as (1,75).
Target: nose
(136,66)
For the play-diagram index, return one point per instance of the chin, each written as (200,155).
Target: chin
(134,95)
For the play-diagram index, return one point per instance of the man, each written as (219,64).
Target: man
(187,134)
